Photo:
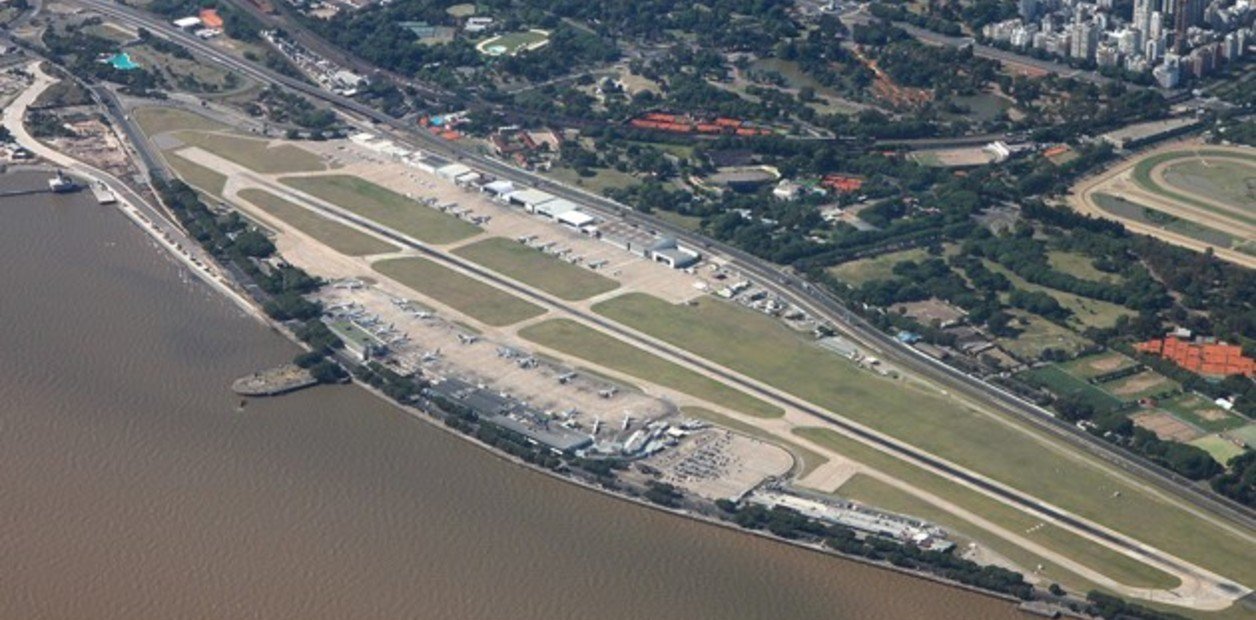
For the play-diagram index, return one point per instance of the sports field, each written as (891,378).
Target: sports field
(385,207)
(1202,412)
(1062,383)
(1085,552)
(536,268)
(591,345)
(513,43)
(196,175)
(1223,180)
(1142,385)
(1145,176)
(761,347)
(467,295)
(337,236)
(256,155)
(1221,449)
(1097,365)
(1187,193)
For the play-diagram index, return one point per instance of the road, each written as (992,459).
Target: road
(777,279)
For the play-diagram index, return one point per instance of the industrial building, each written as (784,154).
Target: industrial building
(669,252)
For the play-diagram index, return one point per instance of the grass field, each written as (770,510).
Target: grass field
(1226,181)
(591,345)
(256,155)
(1063,384)
(385,207)
(761,347)
(1087,312)
(857,272)
(1079,265)
(536,268)
(1125,209)
(1246,432)
(1220,448)
(1038,334)
(1202,412)
(1142,385)
(154,120)
(337,236)
(467,295)
(1110,563)
(1142,176)
(198,176)
(806,460)
(1097,364)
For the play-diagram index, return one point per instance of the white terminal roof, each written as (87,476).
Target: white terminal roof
(453,170)
(531,196)
(556,207)
(500,187)
(576,218)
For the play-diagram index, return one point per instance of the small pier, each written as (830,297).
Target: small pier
(274,381)
(103,194)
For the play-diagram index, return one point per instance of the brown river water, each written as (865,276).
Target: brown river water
(132,487)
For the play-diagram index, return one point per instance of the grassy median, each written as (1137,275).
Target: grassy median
(536,268)
(256,155)
(593,346)
(385,207)
(763,348)
(335,235)
(480,301)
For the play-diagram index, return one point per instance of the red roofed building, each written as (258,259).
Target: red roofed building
(211,19)
(1205,358)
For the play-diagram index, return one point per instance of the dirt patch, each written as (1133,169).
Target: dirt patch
(1138,383)
(1165,426)
(1212,415)
(1107,364)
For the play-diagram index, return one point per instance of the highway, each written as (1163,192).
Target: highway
(779,280)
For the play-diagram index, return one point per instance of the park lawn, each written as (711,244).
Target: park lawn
(1061,383)
(1087,312)
(1191,407)
(1225,181)
(1097,364)
(335,235)
(480,301)
(763,348)
(536,268)
(156,120)
(858,272)
(1220,448)
(1079,265)
(593,346)
(209,181)
(1111,563)
(256,155)
(385,207)
(806,460)
(1142,385)
(1038,334)
(602,179)
(688,222)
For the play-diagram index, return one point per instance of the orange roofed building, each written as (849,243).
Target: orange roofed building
(1205,358)
(211,19)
